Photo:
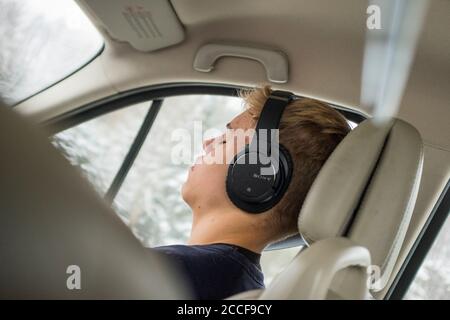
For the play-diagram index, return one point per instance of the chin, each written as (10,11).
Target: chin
(185,193)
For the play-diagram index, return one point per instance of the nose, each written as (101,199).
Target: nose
(207,143)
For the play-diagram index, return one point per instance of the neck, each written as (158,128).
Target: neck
(226,227)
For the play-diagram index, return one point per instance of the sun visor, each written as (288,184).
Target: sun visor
(147,25)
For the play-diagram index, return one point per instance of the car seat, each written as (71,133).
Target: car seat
(54,224)
(355,216)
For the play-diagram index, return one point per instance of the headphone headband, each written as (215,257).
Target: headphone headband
(270,118)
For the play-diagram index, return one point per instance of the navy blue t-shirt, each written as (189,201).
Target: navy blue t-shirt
(217,271)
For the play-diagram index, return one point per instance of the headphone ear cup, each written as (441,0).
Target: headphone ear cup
(253,192)
(248,186)
(285,168)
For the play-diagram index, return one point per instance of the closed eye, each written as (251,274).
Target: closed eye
(228,126)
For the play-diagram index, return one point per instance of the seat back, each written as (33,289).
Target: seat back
(365,192)
(58,239)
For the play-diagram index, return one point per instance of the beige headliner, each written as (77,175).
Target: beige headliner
(324,42)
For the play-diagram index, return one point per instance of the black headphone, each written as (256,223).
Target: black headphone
(258,177)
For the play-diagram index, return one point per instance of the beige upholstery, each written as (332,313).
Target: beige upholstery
(385,211)
(51,218)
(330,204)
(310,274)
(365,192)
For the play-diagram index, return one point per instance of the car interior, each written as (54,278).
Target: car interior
(373,212)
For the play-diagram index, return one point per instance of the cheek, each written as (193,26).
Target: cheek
(210,173)
(205,185)
(207,179)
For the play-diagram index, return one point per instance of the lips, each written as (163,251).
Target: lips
(197,161)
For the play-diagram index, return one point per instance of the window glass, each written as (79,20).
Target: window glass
(42,42)
(432,280)
(99,146)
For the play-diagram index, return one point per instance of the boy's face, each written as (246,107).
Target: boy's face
(205,185)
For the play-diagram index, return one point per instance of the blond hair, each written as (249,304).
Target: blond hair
(310,130)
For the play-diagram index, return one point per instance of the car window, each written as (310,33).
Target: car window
(47,40)
(98,147)
(432,280)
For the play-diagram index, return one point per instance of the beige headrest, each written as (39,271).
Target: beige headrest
(367,189)
(51,218)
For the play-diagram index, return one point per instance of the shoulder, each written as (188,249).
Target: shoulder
(209,260)
(215,271)
(202,264)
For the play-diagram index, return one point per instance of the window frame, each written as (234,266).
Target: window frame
(422,245)
(150,93)
(84,65)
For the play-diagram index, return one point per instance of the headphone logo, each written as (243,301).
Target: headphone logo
(260,176)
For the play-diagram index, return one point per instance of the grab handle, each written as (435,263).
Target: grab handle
(275,62)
